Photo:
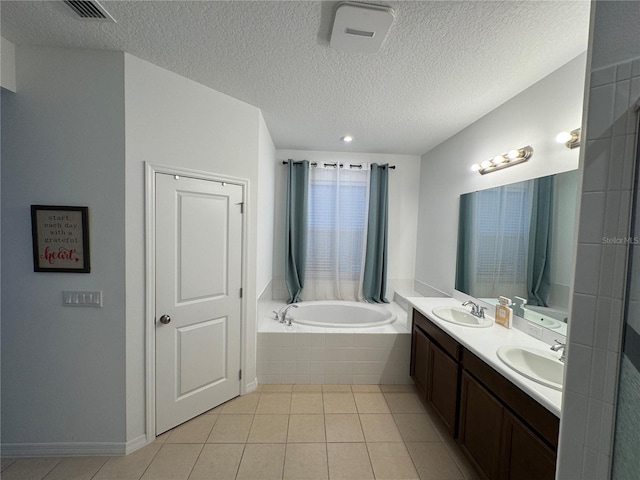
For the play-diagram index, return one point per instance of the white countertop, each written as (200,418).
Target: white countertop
(484,342)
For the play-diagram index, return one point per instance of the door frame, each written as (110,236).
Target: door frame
(150,276)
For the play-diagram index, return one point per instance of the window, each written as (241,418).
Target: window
(337,218)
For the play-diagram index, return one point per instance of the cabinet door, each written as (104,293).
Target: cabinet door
(419,358)
(524,456)
(442,386)
(480,427)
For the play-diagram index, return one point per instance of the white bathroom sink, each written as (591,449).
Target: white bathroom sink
(540,318)
(541,366)
(460,316)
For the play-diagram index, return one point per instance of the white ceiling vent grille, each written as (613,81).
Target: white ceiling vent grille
(89,10)
(361,27)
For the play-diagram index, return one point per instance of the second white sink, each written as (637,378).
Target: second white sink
(541,366)
(460,316)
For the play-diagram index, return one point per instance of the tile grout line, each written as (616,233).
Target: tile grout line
(152,459)
(404,443)
(240,461)
(203,445)
(97,471)
(52,468)
(244,445)
(197,458)
(326,439)
(286,438)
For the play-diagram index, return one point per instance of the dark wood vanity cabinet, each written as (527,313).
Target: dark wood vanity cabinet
(480,431)
(498,444)
(442,391)
(435,368)
(505,433)
(524,456)
(419,358)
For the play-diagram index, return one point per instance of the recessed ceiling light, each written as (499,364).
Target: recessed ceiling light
(347,138)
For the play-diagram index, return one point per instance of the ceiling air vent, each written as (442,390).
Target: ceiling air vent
(361,27)
(89,10)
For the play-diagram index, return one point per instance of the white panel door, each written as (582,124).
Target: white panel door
(198,306)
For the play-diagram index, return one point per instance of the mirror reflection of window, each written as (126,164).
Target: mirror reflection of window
(516,241)
(499,232)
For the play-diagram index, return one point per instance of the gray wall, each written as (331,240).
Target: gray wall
(63,143)
(79,132)
(534,117)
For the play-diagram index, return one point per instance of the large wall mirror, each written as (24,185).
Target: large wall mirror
(517,241)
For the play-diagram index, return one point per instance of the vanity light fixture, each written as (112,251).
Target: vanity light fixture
(347,139)
(570,139)
(512,157)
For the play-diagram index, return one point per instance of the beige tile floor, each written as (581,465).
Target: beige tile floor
(284,432)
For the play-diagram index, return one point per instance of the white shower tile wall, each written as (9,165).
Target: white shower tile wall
(594,339)
(334,358)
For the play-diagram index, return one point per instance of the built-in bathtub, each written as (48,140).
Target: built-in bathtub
(336,314)
(335,342)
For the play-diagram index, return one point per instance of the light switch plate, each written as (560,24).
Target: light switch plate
(81,299)
(535,331)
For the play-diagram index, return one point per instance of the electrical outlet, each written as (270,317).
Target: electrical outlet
(535,331)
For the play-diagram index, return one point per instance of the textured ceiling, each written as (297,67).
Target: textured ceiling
(615,44)
(443,65)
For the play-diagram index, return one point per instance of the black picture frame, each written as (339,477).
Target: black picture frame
(60,237)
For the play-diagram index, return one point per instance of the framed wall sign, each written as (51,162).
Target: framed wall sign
(60,239)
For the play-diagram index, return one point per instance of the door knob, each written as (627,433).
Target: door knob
(164,319)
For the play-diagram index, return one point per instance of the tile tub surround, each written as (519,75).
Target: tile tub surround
(484,342)
(302,354)
(377,431)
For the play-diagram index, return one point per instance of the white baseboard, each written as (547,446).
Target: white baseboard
(135,444)
(72,449)
(251,386)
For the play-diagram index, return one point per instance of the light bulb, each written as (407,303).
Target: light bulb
(475,167)
(486,164)
(513,154)
(563,137)
(498,159)
(347,138)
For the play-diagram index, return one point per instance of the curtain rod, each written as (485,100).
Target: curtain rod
(351,165)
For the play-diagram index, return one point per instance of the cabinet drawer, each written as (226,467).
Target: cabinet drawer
(445,342)
(545,423)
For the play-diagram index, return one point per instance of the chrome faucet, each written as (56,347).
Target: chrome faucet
(560,346)
(476,310)
(281,316)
